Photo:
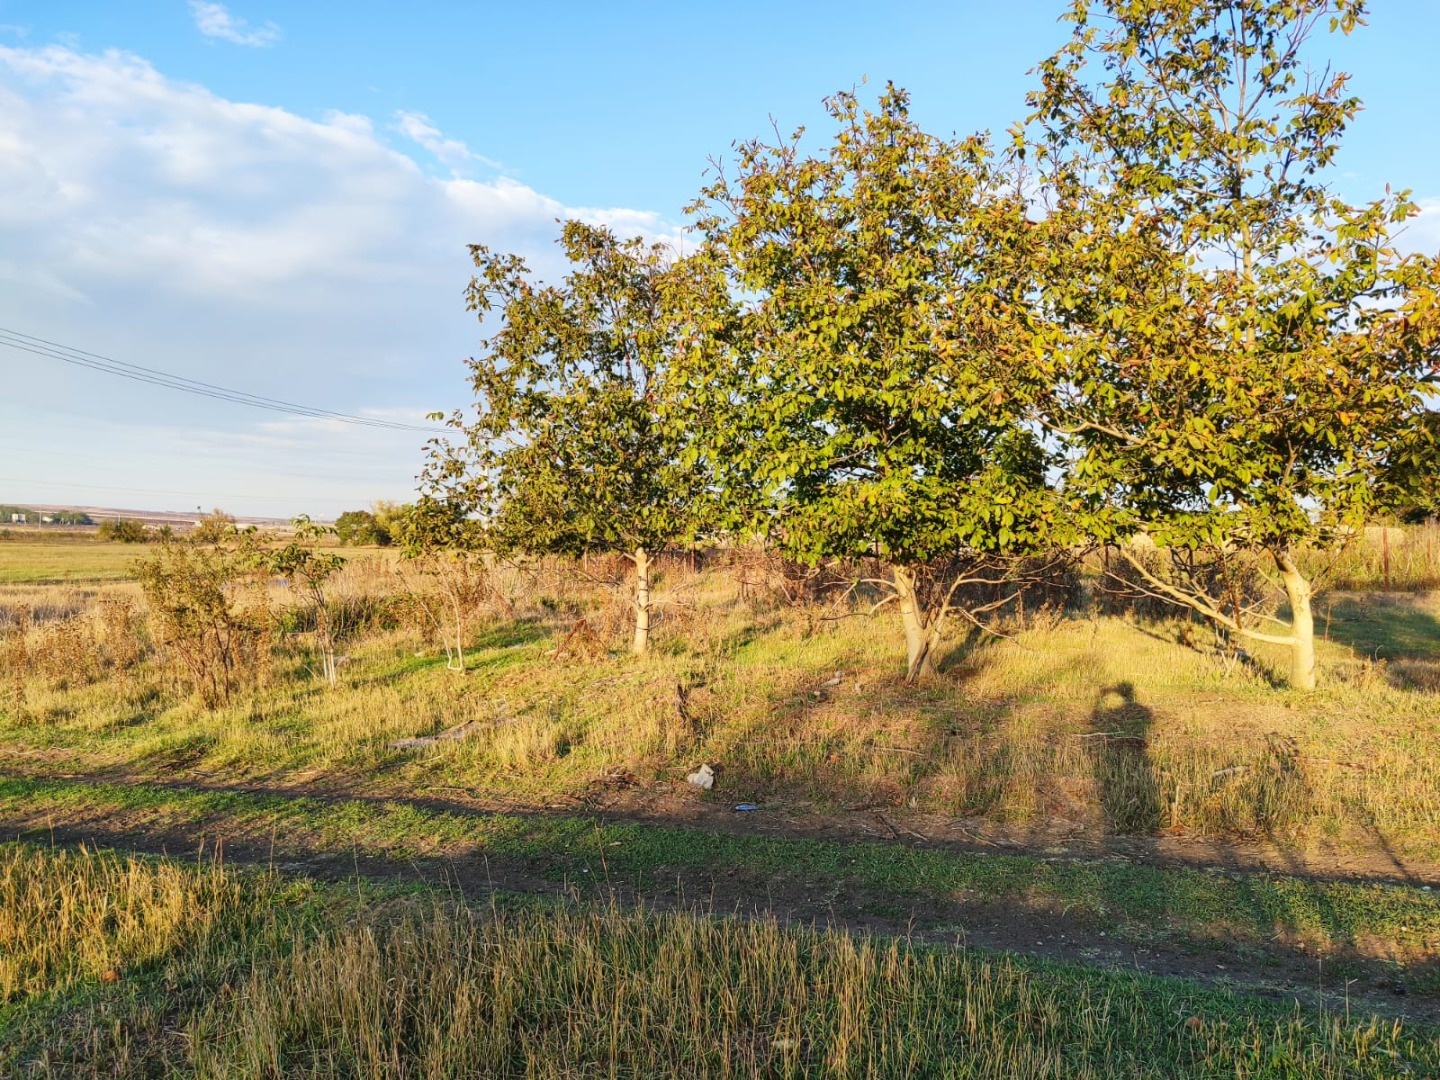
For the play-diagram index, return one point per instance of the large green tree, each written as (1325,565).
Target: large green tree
(566,452)
(868,395)
(1242,356)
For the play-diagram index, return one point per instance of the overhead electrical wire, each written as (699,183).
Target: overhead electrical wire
(154,377)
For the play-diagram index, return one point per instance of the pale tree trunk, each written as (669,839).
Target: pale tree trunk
(641,645)
(922,635)
(1301,639)
(1302,624)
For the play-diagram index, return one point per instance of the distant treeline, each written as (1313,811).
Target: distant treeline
(10,515)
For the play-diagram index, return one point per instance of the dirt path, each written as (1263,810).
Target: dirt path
(620,797)
(1363,858)
(1336,982)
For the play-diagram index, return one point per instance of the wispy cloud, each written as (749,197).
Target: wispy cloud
(154,221)
(215,21)
(418,128)
(1422,232)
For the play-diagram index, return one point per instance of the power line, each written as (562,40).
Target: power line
(154,377)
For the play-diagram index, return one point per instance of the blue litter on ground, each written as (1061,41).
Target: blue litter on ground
(747,806)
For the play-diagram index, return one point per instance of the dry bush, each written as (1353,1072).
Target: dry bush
(1025,593)
(768,580)
(445,596)
(1421,675)
(120,632)
(67,653)
(15,659)
(209,616)
(1236,580)
(88,643)
(37,604)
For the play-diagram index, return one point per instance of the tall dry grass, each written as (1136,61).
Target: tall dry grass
(1398,558)
(69,916)
(440,991)
(131,968)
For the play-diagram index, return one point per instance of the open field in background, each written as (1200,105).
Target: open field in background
(64,560)
(1384,558)
(79,557)
(158,968)
(1018,801)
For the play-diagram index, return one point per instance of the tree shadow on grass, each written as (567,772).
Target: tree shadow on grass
(1381,626)
(968,654)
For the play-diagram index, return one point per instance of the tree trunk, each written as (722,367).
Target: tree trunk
(920,636)
(1302,622)
(641,644)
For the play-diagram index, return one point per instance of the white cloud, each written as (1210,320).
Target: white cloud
(1422,232)
(153,221)
(215,21)
(418,129)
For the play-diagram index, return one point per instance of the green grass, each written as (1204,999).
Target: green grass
(1136,902)
(1083,724)
(1383,626)
(289,978)
(1096,724)
(71,560)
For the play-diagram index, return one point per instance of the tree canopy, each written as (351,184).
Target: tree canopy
(869,395)
(567,452)
(1150,316)
(1243,355)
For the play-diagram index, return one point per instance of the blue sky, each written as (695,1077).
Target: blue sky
(277,197)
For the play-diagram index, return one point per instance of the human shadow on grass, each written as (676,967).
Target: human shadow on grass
(1118,740)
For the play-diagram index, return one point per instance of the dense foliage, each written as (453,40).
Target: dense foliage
(124,530)
(871,397)
(567,452)
(361,527)
(1245,356)
(1151,320)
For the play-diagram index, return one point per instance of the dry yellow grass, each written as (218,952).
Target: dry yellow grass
(72,916)
(1103,724)
(126,967)
(444,992)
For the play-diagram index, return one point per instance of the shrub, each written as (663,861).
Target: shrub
(361,527)
(211,630)
(124,530)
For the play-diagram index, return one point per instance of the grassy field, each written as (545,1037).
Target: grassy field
(1189,908)
(123,967)
(1043,746)
(1094,724)
(74,559)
